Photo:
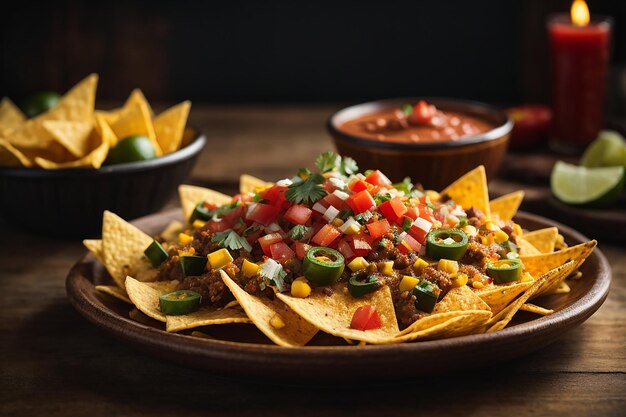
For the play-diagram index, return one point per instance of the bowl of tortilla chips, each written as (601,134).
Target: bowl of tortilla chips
(54,175)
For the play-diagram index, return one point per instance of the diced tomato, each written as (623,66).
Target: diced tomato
(418,233)
(345,250)
(263,213)
(209,206)
(275,195)
(333,200)
(361,201)
(301,249)
(422,113)
(281,252)
(393,209)
(253,237)
(298,214)
(360,244)
(234,215)
(425,213)
(365,318)
(378,228)
(244,198)
(326,236)
(218,226)
(267,241)
(411,213)
(358,185)
(378,178)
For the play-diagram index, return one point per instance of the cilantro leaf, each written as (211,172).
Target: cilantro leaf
(381,198)
(405,186)
(328,161)
(250,230)
(407,109)
(231,240)
(362,218)
(273,272)
(307,191)
(299,231)
(348,166)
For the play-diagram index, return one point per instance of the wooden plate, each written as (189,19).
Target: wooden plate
(243,352)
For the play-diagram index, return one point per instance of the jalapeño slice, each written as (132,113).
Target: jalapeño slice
(505,270)
(361,284)
(426,295)
(200,212)
(179,302)
(156,254)
(323,266)
(192,265)
(446,244)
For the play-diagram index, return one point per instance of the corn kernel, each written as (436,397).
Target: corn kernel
(184,238)
(277,321)
(353,229)
(189,252)
(197,224)
(478,285)
(249,269)
(337,222)
(408,283)
(446,265)
(386,268)
(517,229)
(490,239)
(526,277)
(300,288)
(433,195)
(459,280)
(491,226)
(500,236)
(420,265)
(357,264)
(219,259)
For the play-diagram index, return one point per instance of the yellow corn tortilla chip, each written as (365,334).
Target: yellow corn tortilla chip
(557,288)
(171,231)
(13,157)
(95,247)
(541,263)
(261,310)
(470,321)
(136,98)
(532,308)
(248,184)
(190,196)
(471,191)
(123,245)
(506,206)
(136,121)
(498,296)
(169,126)
(76,105)
(205,317)
(525,247)
(74,136)
(543,239)
(430,320)
(114,291)
(333,313)
(460,298)
(145,295)
(11,116)
(500,320)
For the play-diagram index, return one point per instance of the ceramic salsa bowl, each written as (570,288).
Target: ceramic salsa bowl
(70,202)
(434,164)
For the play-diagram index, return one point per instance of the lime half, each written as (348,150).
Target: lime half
(130,149)
(590,187)
(609,149)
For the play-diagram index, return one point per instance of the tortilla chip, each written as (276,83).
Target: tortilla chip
(74,136)
(539,264)
(430,320)
(543,239)
(171,231)
(95,247)
(11,116)
(114,291)
(536,309)
(136,98)
(471,321)
(498,296)
(296,332)
(248,184)
(506,206)
(170,125)
(76,105)
(205,317)
(190,196)
(146,297)
(525,247)
(333,313)
(557,288)
(13,157)
(471,191)
(123,245)
(500,320)
(136,121)
(460,298)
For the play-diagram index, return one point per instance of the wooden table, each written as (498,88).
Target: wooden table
(54,363)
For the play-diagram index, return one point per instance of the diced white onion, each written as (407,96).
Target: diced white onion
(330,214)
(340,194)
(348,223)
(284,183)
(270,268)
(272,227)
(319,207)
(423,224)
(401,236)
(449,241)
(338,183)
(458,211)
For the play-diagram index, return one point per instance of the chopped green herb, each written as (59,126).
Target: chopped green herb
(368,172)
(250,230)
(362,218)
(463,221)
(381,198)
(231,240)
(274,273)
(406,224)
(257,197)
(303,173)
(431,206)
(226,208)
(328,161)
(307,191)
(343,215)
(348,166)
(383,243)
(405,186)
(299,231)
(407,109)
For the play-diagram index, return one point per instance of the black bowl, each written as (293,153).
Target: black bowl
(70,202)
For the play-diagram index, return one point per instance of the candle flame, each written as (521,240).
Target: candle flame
(580,13)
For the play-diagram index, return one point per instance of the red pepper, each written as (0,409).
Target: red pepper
(361,201)
(378,228)
(378,178)
(326,236)
(393,209)
(422,113)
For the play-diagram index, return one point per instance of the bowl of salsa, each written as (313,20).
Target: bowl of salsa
(434,139)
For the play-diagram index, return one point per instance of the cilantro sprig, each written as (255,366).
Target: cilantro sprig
(231,240)
(299,231)
(307,191)
(406,186)
(330,161)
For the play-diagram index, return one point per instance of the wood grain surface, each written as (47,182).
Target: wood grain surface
(54,363)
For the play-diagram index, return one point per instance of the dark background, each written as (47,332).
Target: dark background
(288,51)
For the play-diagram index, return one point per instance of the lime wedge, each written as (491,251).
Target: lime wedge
(590,187)
(609,149)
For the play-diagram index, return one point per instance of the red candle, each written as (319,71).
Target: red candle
(579,51)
